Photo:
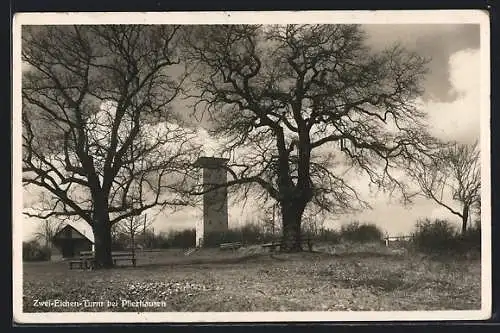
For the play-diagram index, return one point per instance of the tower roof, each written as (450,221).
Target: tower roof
(211,162)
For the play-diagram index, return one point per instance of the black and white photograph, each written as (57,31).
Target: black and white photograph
(251,166)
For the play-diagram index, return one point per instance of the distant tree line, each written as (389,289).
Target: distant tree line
(248,234)
(429,236)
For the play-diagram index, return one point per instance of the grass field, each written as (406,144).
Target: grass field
(330,279)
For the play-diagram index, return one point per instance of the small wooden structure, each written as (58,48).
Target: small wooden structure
(396,239)
(85,261)
(124,256)
(272,246)
(71,242)
(230,246)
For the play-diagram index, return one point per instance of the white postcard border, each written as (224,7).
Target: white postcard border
(271,17)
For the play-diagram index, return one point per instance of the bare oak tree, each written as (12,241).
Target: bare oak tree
(453,174)
(302,109)
(100,138)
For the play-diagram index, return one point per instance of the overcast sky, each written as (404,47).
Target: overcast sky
(451,100)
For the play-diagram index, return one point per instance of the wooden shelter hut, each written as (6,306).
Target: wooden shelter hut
(71,242)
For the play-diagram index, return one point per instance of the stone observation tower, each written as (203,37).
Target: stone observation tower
(215,217)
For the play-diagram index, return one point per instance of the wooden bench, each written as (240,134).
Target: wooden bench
(87,259)
(124,256)
(273,245)
(397,239)
(230,246)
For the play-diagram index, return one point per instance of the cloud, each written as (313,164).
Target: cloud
(459,119)
(432,41)
(210,146)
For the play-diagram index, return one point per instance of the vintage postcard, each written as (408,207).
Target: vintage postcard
(251,166)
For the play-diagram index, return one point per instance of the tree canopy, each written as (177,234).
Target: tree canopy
(306,104)
(99,134)
(453,176)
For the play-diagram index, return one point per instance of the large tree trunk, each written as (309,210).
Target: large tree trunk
(465,218)
(102,237)
(292,219)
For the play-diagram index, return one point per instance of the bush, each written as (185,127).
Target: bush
(247,234)
(182,239)
(440,236)
(434,236)
(214,238)
(161,241)
(327,235)
(119,242)
(361,233)
(32,251)
(472,237)
(253,234)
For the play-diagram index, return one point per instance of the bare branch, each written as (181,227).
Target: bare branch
(99,135)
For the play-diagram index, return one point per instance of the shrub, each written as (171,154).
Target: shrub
(161,241)
(32,251)
(119,242)
(434,236)
(150,240)
(247,234)
(361,233)
(440,236)
(214,238)
(177,239)
(472,238)
(183,239)
(327,235)
(253,234)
